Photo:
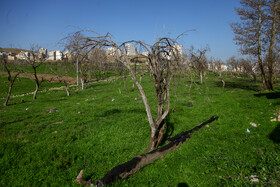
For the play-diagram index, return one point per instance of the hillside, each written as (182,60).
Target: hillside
(12,50)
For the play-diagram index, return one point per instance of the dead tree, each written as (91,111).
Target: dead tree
(218,67)
(124,170)
(7,66)
(35,60)
(247,67)
(98,59)
(199,61)
(61,79)
(73,43)
(163,57)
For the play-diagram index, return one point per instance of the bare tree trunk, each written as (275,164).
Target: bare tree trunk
(37,83)
(201,77)
(11,80)
(157,131)
(190,85)
(124,81)
(36,91)
(147,107)
(10,90)
(260,46)
(82,82)
(271,47)
(77,70)
(224,83)
(124,170)
(8,96)
(152,143)
(140,79)
(64,81)
(66,88)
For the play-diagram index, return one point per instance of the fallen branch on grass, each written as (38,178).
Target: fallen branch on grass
(124,170)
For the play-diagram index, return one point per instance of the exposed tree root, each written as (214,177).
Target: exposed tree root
(124,170)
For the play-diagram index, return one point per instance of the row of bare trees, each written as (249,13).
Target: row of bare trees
(88,64)
(17,67)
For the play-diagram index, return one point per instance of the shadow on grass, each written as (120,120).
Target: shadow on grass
(182,184)
(110,112)
(193,82)
(275,134)
(116,111)
(272,95)
(16,121)
(169,130)
(241,84)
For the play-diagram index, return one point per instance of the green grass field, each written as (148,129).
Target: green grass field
(102,126)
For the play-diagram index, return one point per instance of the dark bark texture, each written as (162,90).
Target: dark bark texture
(124,170)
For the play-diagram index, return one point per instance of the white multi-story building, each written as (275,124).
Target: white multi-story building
(52,55)
(67,55)
(43,51)
(178,49)
(59,55)
(24,55)
(113,51)
(146,53)
(55,55)
(130,49)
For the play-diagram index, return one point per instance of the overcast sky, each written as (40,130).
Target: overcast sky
(25,22)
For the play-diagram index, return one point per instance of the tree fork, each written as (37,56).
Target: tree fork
(128,168)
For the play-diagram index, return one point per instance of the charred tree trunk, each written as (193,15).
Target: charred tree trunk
(37,83)
(124,170)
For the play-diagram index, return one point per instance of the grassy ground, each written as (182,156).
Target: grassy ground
(102,126)
(23,85)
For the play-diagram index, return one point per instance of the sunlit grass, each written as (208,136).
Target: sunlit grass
(103,126)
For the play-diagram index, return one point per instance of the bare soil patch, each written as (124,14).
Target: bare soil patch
(47,77)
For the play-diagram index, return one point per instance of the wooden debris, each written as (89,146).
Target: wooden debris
(128,168)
